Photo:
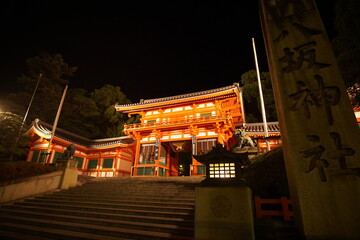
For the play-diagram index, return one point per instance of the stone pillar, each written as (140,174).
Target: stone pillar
(224,212)
(70,175)
(321,139)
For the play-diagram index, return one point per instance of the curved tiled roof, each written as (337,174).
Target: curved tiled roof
(42,129)
(258,128)
(178,98)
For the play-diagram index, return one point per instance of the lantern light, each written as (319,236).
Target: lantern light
(223,166)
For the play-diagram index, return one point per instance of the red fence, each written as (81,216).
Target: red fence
(283,201)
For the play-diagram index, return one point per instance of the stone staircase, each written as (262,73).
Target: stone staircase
(106,208)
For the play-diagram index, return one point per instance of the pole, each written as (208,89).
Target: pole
(25,116)
(261,98)
(55,124)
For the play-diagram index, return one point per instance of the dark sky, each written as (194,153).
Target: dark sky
(149,48)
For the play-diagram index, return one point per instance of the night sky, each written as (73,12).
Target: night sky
(149,49)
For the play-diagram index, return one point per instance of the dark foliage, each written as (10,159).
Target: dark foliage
(92,114)
(19,169)
(54,74)
(12,137)
(252,101)
(266,175)
(86,113)
(346,45)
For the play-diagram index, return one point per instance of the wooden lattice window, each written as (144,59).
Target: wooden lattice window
(147,153)
(108,163)
(205,145)
(162,172)
(92,163)
(205,115)
(151,121)
(80,161)
(145,171)
(57,155)
(35,156)
(38,156)
(201,170)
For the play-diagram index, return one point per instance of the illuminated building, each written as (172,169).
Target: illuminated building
(172,129)
(110,157)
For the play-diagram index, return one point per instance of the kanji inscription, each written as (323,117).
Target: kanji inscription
(323,97)
(302,99)
(315,154)
(340,153)
(305,53)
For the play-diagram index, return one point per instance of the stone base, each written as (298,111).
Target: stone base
(67,163)
(224,212)
(70,173)
(251,151)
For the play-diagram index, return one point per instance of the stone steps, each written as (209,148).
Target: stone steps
(10,235)
(112,195)
(89,227)
(99,215)
(148,226)
(125,200)
(79,203)
(139,190)
(46,232)
(106,208)
(128,194)
(103,209)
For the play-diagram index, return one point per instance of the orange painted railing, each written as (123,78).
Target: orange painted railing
(176,122)
(286,213)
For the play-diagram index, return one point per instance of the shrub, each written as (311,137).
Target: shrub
(266,175)
(19,169)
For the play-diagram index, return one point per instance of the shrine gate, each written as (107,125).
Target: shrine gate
(172,129)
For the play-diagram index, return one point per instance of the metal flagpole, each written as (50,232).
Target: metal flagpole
(261,98)
(25,116)
(55,124)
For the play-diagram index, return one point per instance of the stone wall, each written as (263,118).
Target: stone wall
(30,186)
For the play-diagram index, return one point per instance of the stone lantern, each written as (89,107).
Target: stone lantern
(223,166)
(223,205)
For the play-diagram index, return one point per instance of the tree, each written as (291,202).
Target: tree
(252,98)
(136,118)
(354,96)
(88,114)
(93,114)
(346,46)
(346,43)
(111,122)
(78,113)
(9,132)
(55,74)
